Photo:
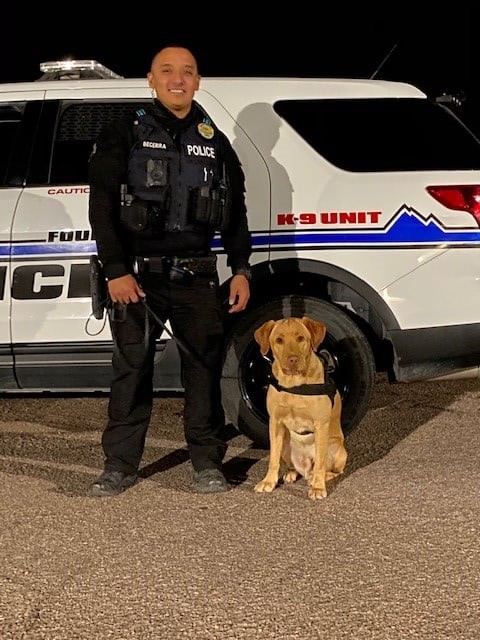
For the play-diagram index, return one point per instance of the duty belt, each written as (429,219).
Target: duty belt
(171,265)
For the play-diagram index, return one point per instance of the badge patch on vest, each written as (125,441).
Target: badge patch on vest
(206,130)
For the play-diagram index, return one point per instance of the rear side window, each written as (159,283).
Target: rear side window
(77,129)
(365,135)
(10,120)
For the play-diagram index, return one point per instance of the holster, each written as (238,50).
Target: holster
(98,287)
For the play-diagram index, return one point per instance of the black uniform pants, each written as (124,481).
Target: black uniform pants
(193,308)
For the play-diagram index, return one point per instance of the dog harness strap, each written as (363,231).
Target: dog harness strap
(326,389)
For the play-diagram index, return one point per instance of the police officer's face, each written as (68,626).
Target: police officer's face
(174,76)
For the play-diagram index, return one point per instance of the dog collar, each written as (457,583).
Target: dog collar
(328,388)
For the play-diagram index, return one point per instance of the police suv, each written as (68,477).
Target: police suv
(363,201)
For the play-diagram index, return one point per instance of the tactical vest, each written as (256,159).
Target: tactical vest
(181,180)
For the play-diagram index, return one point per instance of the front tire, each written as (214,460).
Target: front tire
(245,370)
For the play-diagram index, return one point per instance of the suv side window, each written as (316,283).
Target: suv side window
(10,120)
(388,134)
(78,126)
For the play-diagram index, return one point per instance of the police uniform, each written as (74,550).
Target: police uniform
(160,187)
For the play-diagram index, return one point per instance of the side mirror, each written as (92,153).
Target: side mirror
(452,99)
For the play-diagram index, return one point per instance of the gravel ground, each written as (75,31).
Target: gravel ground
(392,553)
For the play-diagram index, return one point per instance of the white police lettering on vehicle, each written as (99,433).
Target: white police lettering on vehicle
(200,150)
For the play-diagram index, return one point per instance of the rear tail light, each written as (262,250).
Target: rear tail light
(459,197)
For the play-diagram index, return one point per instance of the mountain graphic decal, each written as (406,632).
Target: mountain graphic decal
(407,227)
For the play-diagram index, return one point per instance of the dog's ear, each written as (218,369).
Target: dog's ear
(317,330)
(262,336)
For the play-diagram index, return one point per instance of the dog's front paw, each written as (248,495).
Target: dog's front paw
(317,494)
(265,486)
(290,476)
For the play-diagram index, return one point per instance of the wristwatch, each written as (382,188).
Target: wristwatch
(246,271)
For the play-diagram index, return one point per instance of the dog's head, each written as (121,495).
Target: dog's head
(292,341)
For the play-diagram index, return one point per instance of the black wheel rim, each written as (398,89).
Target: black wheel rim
(254,372)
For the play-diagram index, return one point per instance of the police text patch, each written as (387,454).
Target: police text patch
(200,150)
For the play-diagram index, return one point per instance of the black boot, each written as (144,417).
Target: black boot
(111,483)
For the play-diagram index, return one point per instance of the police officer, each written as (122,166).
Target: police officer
(161,184)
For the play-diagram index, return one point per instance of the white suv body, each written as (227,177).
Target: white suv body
(364,206)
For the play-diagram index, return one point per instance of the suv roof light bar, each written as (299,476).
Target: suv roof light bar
(75,70)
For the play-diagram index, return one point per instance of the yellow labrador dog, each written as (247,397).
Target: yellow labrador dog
(304,408)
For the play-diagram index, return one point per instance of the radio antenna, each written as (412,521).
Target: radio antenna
(383,61)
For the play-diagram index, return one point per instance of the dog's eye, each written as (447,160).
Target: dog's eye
(279,340)
(300,338)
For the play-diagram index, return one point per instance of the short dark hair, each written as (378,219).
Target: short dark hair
(174,45)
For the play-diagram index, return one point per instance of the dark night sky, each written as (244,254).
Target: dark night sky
(435,51)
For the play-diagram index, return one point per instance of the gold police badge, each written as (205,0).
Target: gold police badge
(206,130)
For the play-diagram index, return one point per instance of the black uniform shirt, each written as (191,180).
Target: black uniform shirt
(107,172)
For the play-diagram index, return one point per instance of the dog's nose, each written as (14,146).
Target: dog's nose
(292,360)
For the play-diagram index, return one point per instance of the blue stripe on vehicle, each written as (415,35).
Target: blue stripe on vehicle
(405,230)
(51,248)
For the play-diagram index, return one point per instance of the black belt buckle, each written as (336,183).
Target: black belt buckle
(205,265)
(178,272)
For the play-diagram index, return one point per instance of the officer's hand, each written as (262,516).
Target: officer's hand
(239,294)
(125,289)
